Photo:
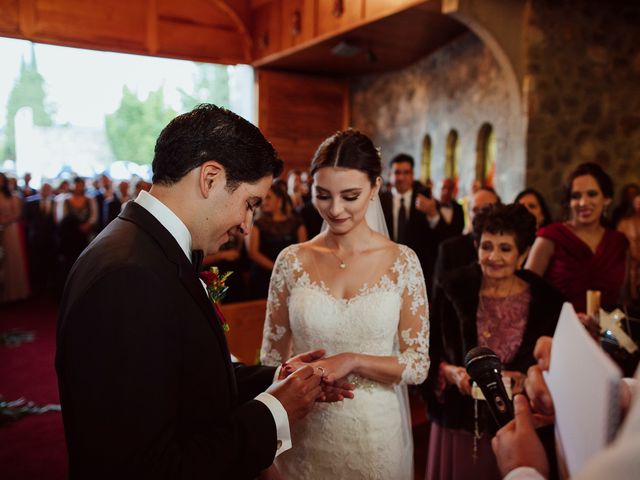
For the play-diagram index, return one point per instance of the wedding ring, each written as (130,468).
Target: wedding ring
(321,371)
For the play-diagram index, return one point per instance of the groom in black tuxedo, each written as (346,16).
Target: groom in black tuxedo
(146,384)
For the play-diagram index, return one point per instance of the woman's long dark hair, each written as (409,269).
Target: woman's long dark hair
(546,213)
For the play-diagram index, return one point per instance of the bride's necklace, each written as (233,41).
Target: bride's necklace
(342,264)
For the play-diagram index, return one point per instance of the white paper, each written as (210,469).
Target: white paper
(583,382)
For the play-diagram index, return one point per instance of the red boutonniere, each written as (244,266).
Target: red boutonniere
(216,290)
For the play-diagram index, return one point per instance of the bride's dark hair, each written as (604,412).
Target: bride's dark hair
(348,149)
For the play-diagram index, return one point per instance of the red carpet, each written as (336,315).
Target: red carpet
(32,447)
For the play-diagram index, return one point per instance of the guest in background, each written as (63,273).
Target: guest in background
(494,304)
(276,228)
(76,227)
(229,258)
(450,210)
(61,193)
(140,186)
(294,189)
(461,250)
(629,225)
(113,206)
(14,278)
(465,203)
(534,202)
(628,193)
(582,254)
(13,186)
(27,191)
(41,238)
(411,213)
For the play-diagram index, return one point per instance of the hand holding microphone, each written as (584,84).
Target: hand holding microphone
(484,368)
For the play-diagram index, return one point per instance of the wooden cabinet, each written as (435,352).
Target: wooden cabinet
(298,22)
(265,21)
(336,15)
(374,9)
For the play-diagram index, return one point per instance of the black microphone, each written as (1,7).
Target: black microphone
(484,367)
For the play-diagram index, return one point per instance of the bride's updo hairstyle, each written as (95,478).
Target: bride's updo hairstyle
(348,149)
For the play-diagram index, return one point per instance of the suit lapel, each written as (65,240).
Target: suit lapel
(186,274)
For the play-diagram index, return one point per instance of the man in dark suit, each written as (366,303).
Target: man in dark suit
(146,384)
(411,213)
(41,238)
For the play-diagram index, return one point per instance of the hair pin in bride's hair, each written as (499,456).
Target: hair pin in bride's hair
(379,150)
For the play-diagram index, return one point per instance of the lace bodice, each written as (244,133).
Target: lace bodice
(389,318)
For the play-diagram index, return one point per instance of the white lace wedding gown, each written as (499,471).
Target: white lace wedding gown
(368,437)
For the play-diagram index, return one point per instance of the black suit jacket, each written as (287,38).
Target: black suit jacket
(420,237)
(456,226)
(146,385)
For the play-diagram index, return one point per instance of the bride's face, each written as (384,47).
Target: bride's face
(342,196)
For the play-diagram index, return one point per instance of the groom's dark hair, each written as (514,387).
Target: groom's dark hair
(209,132)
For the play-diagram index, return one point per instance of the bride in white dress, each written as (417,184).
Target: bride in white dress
(361,297)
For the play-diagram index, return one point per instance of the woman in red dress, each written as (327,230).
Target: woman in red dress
(582,254)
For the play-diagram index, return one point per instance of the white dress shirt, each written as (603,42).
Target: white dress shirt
(179,231)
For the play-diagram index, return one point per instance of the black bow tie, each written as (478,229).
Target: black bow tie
(196,258)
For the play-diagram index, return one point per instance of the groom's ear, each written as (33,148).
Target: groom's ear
(212,176)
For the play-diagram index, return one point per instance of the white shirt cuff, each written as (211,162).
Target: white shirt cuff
(281,419)
(433,221)
(523,473)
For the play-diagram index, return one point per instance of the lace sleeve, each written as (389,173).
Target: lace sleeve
(413,329)
(276,336)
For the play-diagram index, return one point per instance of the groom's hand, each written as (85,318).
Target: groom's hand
(298,392)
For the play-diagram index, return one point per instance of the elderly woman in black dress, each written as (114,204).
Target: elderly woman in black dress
(491,303)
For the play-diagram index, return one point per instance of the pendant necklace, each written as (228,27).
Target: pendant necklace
(342,264)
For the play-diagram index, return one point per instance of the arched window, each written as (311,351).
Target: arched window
(486,155)
(425,161)
(452,157)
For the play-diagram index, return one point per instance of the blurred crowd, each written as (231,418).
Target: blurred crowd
(44,230)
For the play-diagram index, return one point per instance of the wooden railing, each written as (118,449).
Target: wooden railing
(244,337)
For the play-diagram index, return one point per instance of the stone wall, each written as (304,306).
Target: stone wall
(461,86)
(583,68)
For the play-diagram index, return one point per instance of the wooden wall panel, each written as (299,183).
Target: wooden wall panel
(204,30)
(9,19)
(100,24)
(201,43)
(296,112)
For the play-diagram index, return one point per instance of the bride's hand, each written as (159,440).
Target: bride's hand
(336,367)
(294,363)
